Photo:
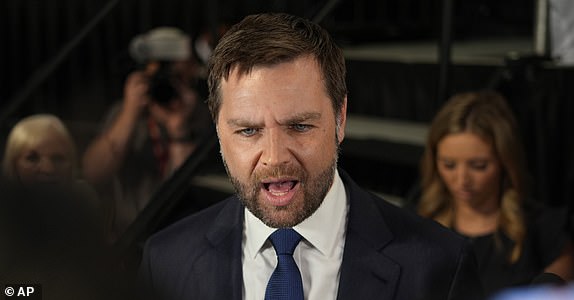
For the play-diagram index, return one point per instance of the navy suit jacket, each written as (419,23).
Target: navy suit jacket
(389,253)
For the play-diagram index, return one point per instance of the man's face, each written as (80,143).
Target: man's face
(279,139)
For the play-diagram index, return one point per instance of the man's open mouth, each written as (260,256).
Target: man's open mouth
(280,188)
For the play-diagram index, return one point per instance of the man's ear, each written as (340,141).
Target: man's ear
(342,120)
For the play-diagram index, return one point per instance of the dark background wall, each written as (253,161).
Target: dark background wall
(34,31)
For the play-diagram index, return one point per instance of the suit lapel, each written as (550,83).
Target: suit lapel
(366,273)
(225,238)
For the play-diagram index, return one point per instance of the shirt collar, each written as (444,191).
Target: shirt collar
(323,229)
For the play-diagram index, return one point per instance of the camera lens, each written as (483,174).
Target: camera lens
(161,88)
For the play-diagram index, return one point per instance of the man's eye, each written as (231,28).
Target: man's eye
(248,131)
(300,127)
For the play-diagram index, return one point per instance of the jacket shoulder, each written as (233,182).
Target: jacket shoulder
(190,229)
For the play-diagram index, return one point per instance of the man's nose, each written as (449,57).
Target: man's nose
(275,150)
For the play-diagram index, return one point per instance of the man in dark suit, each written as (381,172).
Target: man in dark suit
(279,100)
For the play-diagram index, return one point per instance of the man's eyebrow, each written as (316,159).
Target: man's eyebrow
(295,119)
(302,117)
(241,123)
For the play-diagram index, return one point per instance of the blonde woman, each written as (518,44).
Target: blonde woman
(473,181)
(39,149)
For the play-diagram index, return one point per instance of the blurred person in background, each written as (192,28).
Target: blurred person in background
(52,226)
(474,182)
(39,151)
(40,148)
(152,131)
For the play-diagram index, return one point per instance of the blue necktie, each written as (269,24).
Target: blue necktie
(285,282)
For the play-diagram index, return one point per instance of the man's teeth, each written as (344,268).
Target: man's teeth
(280,188)
(278,193)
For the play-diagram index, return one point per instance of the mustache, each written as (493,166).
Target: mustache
(278,172)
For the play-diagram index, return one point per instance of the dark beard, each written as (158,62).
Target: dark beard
(314,191)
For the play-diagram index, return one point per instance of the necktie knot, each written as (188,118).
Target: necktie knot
(285,240)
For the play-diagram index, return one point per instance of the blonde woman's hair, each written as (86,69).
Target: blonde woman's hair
(29,132)
(486,114)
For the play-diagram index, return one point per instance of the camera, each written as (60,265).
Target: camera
(161,85)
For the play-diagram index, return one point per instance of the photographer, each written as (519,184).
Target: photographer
(152,131)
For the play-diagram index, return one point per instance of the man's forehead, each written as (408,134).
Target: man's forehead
(240,69)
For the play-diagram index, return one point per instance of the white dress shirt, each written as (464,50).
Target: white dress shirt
(318,255)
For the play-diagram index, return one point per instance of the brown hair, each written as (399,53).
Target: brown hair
(269,39)
(486,114)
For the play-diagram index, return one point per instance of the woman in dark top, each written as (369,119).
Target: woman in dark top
(473,182)
(544,240)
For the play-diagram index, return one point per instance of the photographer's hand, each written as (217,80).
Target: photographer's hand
(135,93)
